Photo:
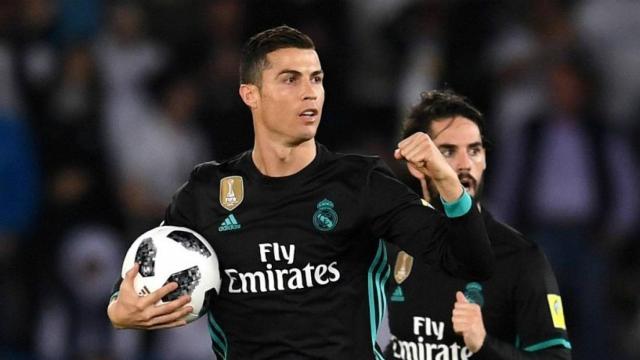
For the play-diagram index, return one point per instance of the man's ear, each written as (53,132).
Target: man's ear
(249,94)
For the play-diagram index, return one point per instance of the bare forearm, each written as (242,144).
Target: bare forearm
(449,188)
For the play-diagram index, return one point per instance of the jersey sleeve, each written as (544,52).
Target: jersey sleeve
(540,319)
(459,245)
(182,210)
(496,349)
(115,289)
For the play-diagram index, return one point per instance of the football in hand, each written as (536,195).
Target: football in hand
(175,254)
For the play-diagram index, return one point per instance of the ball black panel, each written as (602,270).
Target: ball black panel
(146,257)
(189,241)
(187,281)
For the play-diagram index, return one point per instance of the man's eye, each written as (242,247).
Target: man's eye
(446,152)
(289,79)
(317,79)
(475,151)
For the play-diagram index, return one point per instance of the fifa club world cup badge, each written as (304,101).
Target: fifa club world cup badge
(231,192)
(404,263)
(325,218)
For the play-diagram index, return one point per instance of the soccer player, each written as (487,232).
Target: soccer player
(297,228)
(517,313)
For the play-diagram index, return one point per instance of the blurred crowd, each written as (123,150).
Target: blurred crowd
(106,105)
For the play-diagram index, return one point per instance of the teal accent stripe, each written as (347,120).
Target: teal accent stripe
(549,343)
(233,219)
(114,296)
(377,294)
(372,317)
(459,207)
(220,341)
(381,289)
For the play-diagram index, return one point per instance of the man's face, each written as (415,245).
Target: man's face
(460,143)
(290,99)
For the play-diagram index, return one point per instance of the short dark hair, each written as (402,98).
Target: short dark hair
(437,105)
(254,53)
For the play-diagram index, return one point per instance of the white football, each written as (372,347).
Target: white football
(171,253)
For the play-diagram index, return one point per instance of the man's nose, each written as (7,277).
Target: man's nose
(309,91)
(463,160)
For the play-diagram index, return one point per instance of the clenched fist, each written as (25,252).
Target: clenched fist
(424,156)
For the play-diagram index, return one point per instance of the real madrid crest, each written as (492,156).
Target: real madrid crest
(404,263)
(473,293)
(325,218)
(231,192)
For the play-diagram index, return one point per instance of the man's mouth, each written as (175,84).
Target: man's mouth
(309,113)
(467,181)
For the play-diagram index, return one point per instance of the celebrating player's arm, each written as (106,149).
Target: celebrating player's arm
(128,310)
(467,251)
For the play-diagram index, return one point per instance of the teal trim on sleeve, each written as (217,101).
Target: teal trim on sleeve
(219,339)
(377,277)
(113,297)
(459,207)
(549,343)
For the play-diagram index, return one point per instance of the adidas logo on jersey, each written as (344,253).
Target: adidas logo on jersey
(229,224)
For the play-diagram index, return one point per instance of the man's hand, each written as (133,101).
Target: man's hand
(467,321)
(131,311)
(424,157)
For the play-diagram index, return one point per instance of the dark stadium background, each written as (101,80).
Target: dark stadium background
(106,105)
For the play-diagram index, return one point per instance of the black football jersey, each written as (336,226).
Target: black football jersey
(520,303)
(302,262)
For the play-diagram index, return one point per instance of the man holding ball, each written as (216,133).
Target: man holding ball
(298,229)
